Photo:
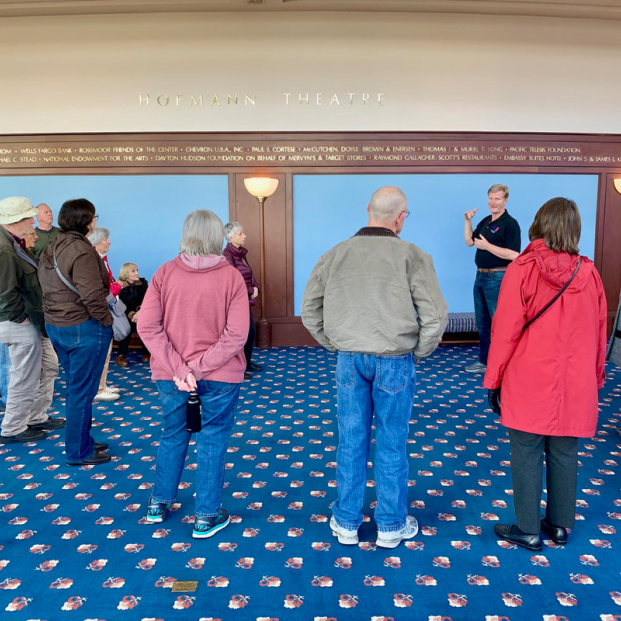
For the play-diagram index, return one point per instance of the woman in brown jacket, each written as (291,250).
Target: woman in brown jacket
(79,323)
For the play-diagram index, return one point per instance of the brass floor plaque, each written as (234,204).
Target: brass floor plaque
(184,586)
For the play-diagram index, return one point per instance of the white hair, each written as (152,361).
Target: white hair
(98,235)
(231,229)
(202,235)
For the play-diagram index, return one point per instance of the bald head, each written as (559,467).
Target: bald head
(386,208)
(45,217)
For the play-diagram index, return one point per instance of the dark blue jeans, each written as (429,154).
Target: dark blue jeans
(486,289)
(82,351)
(383,386)
(218,403)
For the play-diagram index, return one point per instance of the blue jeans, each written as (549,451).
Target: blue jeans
(5,367)
(365,385)
(82,351)
(486,290)
(218,403)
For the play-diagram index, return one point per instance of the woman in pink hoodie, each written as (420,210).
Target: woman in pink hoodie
(194,321)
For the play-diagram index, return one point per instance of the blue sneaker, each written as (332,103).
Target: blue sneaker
(207,527)
(156,511)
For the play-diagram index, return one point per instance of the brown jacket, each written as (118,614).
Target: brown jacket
(80,264)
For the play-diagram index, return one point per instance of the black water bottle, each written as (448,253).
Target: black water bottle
(193,413)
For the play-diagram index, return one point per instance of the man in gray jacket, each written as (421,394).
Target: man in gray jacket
(376,300)
(33,361)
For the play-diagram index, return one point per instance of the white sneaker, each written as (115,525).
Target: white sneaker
(393,538)
(106,395)
(114,389)
(346,537)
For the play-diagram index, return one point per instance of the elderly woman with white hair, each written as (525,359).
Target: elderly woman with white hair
(100,239)
(235,254)
(194,320)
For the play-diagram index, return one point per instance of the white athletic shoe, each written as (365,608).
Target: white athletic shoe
(393,538)
(106,395)
(346,537)
(114,389)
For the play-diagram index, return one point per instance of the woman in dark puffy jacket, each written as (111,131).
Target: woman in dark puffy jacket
(235,254)
(543,375)
(132,294)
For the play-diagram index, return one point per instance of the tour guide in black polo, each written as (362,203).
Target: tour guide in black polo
(498,241)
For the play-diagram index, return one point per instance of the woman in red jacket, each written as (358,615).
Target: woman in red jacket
(549,372)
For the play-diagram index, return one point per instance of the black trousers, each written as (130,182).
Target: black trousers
(249,346)
(561,456)
(124,344)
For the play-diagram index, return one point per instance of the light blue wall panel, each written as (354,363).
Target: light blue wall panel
(331,208)
(144,213)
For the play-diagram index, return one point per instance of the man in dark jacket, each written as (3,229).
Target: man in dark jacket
(34,365)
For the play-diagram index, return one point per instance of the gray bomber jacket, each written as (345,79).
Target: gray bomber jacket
(377,294)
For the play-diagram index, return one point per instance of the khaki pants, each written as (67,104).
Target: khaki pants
(104,374)
(34,368)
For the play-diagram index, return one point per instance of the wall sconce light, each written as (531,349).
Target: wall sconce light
(262,188)
(617,183)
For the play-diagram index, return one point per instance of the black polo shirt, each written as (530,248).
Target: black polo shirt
(504,233)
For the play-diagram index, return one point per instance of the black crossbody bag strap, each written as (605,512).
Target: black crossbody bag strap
(556,297)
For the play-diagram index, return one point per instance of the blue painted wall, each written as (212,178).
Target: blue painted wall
(144,213)
(330,208)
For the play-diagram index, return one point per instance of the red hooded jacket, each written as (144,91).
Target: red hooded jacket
(549,375)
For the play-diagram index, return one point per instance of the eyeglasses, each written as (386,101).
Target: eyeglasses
(96,217)
(407,213)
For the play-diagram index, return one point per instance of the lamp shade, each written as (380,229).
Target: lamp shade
(618,185)
(261,186)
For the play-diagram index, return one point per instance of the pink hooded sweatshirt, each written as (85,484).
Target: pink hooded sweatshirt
(194,318)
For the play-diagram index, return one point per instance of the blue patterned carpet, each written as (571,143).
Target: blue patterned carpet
(74,545)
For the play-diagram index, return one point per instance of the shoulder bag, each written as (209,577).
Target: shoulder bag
(120,323)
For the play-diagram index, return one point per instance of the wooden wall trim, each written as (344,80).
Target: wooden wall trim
(471,152)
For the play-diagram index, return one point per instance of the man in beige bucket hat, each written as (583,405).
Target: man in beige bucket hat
(34,365)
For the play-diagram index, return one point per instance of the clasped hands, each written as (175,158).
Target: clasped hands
(188,384)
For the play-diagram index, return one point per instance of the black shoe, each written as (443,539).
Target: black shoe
(254,367)
(514,535)
(50,423)
(94,460)
(100,446)
(30,435)
(247,375)
(558,534)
